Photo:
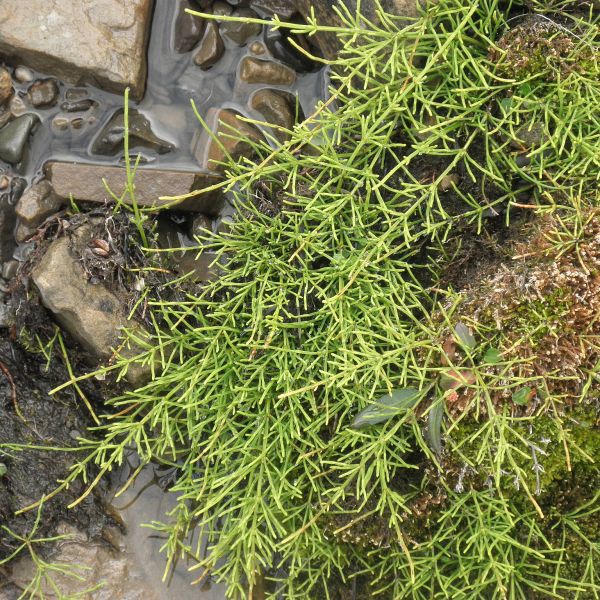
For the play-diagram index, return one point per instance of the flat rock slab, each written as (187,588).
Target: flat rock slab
(85,183)
(102,42)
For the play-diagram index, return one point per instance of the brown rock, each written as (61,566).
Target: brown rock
(282,8)
(211,47)
(6,88)
(277,108)
(92,314)
(85,182)
(327,41)
(188,28)
(37,204)
(230,131)
(254,70)
(24,232)
(241,31)
(43,93)
(96,41)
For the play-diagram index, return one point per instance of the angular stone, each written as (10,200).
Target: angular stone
(24,232)
(43,93)
(241,31)
(6,88)
(254,70)
(188,28)
(13,138)
(277,108)
(110,140)
(85,183)
(37,204)
(211,47)
(92,314)
(94,41)
(230,131)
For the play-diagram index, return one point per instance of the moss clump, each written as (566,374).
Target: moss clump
(540,47)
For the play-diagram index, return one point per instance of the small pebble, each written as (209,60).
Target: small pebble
(43,93)
(75,94)
(447,182)
(9,269)
(78,105)
(77,123)
(221,9)
(257,48)
(4,182)
(17,106)
(60,123)
(23,74)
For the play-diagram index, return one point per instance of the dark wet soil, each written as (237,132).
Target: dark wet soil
(44,421)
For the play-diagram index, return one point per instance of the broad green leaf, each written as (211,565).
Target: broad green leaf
(434,427)
(464,336)
(386,407)
(492,356)
(523,396)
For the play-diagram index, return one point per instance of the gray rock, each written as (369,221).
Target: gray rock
(92,314)
(14,136)
(97,41)
(254,70)
(200,225)
(529,136)
(43,93)
(110,140)
(211,48)
(37,204)
(85,183)
(6,88)
(230,131)
(240,32)
(284,9)
(188,28)
(278,108)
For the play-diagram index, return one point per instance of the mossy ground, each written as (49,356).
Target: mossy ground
(342,282)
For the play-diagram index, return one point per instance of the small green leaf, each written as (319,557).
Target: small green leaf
(386,407)
(3,470)
(523,396)
(506,104)
(464,336)
(451,380)
(492,356)
(434,427)
(525,89)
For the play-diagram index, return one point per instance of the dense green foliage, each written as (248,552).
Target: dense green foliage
(329,299)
